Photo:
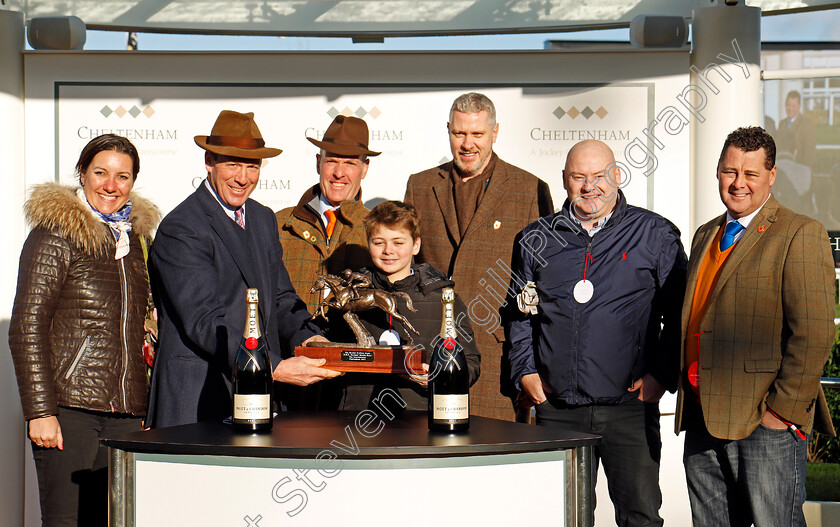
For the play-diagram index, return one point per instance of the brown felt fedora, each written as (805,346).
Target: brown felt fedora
(236,134)
(346,136)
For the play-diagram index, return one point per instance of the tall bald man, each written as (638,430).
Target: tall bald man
(597,335)
(470,210)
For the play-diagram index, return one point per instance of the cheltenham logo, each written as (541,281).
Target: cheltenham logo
(574,112)
(358,112)
(121,112)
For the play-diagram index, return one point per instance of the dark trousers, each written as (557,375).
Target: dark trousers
(758,480)
(73,483)
(630,450)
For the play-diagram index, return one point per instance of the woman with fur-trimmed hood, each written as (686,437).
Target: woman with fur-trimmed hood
(77,326)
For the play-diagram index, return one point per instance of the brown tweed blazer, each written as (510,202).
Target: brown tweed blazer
(479,263)
(305,249)
(769,326)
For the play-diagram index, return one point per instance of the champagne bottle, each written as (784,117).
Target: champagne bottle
(252,382)
(449,379)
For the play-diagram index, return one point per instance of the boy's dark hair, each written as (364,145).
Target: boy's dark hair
(394,215)
(750,139)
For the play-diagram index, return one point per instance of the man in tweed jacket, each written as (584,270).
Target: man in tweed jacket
(308,250)
(757,329)
(470,210)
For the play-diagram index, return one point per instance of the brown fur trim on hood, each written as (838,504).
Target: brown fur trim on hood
(57,208)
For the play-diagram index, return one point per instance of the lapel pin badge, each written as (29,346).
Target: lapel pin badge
(305,235)
(497,225)
(761,228)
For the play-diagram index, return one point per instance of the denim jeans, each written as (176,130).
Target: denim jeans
(630,450)
(73,483)
(756,480)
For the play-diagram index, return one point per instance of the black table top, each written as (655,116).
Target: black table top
(347,435)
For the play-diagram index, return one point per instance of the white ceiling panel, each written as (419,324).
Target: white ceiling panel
(373,17)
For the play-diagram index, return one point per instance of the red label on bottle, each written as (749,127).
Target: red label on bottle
(449,343)
(251,343)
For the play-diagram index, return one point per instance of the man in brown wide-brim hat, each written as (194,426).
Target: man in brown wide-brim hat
(324,233)
(211,248)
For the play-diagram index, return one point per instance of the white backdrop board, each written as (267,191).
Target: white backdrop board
(407,124)
(161,101)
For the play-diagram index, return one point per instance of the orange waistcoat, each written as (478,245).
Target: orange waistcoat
(707,278)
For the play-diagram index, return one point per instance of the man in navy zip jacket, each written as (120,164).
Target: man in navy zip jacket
(596,336)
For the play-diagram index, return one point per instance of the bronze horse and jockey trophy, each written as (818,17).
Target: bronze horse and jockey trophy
(349,294)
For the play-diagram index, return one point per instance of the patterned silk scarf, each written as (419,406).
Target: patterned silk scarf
(117,221)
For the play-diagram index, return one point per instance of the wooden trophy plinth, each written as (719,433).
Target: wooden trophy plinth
(365,359)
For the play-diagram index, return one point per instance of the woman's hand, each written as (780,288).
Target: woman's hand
(46,432)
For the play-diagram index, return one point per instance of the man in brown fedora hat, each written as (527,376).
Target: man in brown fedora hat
(323,233)
(211,248)
(470,210)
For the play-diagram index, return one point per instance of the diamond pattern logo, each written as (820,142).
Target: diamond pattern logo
(573,112)
(360,112)
(135,111)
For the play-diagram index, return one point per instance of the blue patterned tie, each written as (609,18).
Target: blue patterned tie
(732,230)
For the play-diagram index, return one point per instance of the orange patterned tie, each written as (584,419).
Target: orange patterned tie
(330,214)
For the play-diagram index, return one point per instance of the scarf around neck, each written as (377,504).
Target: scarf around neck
(117,221)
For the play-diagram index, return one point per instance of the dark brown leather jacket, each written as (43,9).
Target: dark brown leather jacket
(77,323)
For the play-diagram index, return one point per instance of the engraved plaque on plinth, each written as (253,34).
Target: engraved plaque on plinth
(366,359)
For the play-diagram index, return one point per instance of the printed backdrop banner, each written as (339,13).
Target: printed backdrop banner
(408,125)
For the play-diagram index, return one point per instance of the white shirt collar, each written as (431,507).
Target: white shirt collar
(228,210)
(323,206)
(746,220)
(598,224)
